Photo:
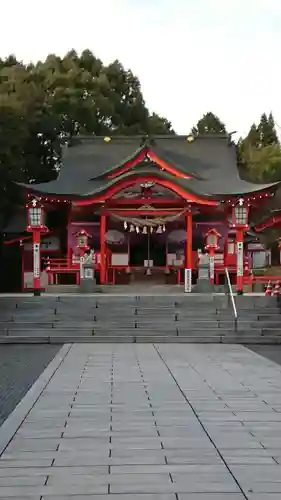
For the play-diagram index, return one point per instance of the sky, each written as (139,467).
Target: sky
(191,56)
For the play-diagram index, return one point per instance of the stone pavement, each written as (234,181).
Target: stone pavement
(145,422)
(20,366)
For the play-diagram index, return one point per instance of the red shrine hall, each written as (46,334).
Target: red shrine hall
(148,207)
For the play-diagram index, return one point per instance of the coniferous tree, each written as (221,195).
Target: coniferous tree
(253,137)
(266,130)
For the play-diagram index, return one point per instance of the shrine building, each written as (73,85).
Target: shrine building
(146,206)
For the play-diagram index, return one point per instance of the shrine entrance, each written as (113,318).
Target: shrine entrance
(147,249)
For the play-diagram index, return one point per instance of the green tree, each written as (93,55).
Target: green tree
(266,130)
(263,164)
(253,137)
(159,125)
(44,104)
(209,124)
(260,153)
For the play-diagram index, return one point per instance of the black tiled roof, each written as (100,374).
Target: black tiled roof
(209,160)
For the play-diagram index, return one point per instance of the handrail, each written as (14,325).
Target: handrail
(230,294)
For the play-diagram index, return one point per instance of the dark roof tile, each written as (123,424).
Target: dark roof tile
(211,160)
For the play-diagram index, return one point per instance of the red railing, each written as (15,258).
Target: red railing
(260,280)
(57,267)
(62,266)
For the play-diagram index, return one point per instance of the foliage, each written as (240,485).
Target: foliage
(263,164)
(266,131)
(260,152)
(209,124)
(44,104)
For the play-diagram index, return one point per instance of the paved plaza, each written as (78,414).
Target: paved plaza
(145,422)
(20,366)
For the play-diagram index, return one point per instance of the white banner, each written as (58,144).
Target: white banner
(187,280)
(36,260)
(240,259)
(212,267)
(81,268)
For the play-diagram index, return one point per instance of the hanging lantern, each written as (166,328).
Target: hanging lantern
(125,225)
(159,230)
(144,231)
(240,214)
(35,213)
(132,228)
(82,239)
(212,238)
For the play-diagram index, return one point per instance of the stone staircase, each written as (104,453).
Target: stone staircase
(139,318)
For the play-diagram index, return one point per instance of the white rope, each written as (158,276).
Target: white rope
(151,222)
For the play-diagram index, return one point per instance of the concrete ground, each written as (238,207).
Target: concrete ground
(20,366)
(145,422)
(272,352)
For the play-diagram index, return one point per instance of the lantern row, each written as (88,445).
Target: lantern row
(228,202)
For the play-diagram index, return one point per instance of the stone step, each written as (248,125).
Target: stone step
(149,339)
(141,332)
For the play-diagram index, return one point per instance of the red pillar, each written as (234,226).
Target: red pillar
(212,265)
(69,254)
(102,249)
(240,261)
(36,262)
(225,251)
(188,254)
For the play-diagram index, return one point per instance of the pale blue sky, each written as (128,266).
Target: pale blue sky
(191,56)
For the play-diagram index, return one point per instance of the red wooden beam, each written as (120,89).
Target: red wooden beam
(26,238)
(161,182)
(151,156)
(272,221)
(147,201)
(135,213)
(165,166)
(128,166)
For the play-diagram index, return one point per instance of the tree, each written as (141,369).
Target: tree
(260,153)
(209,124)
(45,104)
(266,130)
(263,164)
(159,125)
(253,138)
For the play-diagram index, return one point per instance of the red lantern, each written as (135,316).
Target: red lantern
(212,238)
(35,216)
(36,226)
(82,240)
(240,215)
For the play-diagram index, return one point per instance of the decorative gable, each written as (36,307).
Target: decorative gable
(147,157)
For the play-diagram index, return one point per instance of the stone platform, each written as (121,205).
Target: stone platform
(147,422)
